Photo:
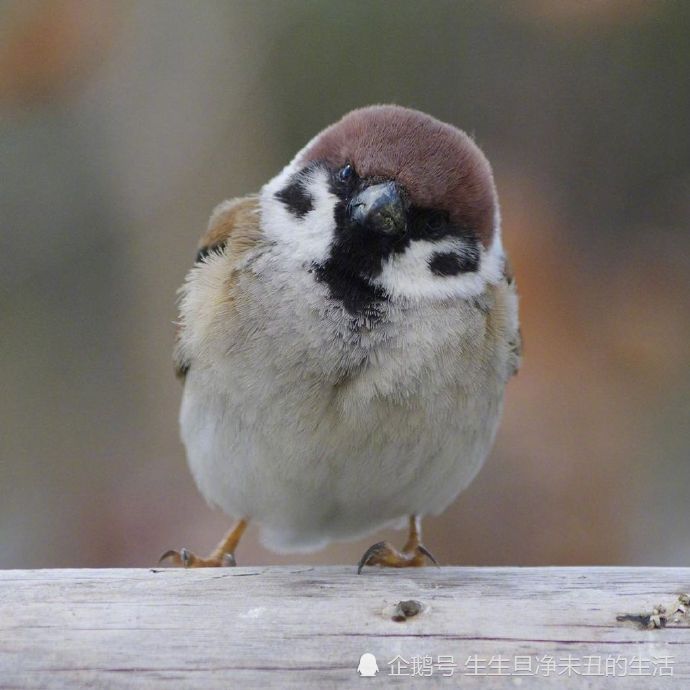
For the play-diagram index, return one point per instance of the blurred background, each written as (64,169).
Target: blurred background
(123,123)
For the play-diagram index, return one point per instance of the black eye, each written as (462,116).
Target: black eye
(345,174)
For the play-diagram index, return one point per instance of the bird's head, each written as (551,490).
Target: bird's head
(388,204)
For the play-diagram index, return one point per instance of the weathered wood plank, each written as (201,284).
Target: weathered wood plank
(306,627)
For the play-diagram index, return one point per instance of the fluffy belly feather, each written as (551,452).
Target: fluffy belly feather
(309,468)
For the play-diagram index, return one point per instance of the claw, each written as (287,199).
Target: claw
(384,554)
(222,556)
(173,555)
(183,557)
(187,559)
(372,551)
(423,550)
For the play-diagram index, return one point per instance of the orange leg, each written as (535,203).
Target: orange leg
(222,555)
(413,555)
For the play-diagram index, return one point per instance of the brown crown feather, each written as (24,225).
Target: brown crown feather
(439,165)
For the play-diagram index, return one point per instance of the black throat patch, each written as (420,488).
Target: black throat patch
(358,253)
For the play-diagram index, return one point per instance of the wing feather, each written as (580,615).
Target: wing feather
(234,229)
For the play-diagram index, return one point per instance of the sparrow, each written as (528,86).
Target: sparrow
(345,338)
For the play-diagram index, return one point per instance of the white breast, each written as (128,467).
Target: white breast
(317,432)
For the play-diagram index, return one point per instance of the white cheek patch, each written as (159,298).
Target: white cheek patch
(409,276)
(306,239)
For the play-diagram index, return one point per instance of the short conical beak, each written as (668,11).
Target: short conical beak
(379,207)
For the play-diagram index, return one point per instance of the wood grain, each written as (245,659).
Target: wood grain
(306,627)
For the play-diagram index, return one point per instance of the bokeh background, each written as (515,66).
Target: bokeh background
(123,123)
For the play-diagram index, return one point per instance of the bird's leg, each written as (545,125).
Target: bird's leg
(222,555)
(413,555)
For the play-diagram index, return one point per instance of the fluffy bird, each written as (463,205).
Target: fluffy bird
(345,338)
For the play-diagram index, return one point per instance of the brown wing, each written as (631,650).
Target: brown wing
(233,229)
(234,226)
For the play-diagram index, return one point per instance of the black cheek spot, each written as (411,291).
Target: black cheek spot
(296,199)
(452,264)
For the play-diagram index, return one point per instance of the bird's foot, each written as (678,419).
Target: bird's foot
(223,555)
(386,555)
(187,559)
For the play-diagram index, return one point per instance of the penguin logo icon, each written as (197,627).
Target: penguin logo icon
(367,666)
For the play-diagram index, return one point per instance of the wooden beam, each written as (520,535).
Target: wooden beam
(307,627)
